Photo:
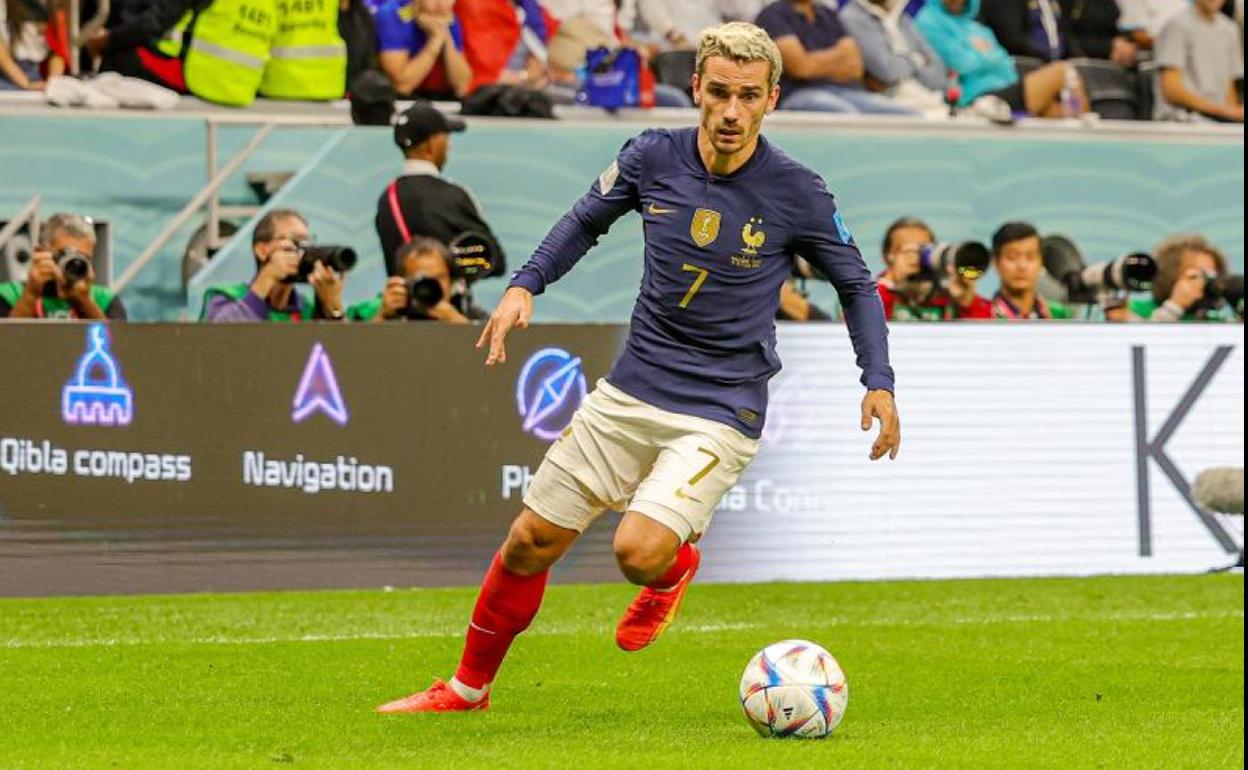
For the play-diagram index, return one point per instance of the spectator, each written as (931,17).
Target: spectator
(144,39)
(742,10)
(583,26)
(1095,33)
(24,50)
(1017,254)
(358,30)
(422,291)
(1033,28)
(421,46)
(823,67)
(908,294)
(504,41)
(602,14)
(1200,59)
(984,68)
(421,202)
(307,55)
(60,282)
(898,60)
(1191,272)
(1143,20)
(679,23)
(271,296)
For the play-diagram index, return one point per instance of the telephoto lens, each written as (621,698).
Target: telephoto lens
(969,259)
(73,264)
(423,293)
(74,267)
(1133,272)
(1234,292)
(473,255)
(338,258)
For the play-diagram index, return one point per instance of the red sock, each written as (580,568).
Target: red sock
(684,559)
(505,607)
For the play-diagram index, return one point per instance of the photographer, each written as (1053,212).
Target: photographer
(912,293)
(1190,283)
(1018,255)
(423,292)
(60,282)
(284,256)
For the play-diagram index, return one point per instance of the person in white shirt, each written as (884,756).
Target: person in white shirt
(1144,20)
(23,50)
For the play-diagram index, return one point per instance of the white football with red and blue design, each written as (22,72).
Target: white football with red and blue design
(794,689)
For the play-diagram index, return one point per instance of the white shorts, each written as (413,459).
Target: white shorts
(623,454)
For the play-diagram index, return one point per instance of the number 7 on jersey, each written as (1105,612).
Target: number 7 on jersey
(697,282)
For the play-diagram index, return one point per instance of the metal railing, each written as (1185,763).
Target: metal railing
(78,32)
(207,195)
(29,213)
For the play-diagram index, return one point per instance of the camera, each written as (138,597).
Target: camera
(473,255)
(74,266)
(969,259)
(1233,291)
(423,293)
(338,258)
(1084,282)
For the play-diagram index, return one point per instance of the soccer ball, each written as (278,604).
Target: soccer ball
(794,689)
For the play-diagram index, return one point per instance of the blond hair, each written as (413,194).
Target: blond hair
(742,43)
(1169,255)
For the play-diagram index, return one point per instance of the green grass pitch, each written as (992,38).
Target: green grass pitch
(1100,673)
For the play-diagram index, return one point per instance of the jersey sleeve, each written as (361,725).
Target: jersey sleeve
(613,194)
(824,241)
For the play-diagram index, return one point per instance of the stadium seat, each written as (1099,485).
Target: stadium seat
(1112,90)
(675,68)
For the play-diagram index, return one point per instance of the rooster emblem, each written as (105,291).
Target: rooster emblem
(754,239)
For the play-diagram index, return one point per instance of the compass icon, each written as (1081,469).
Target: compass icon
(550,388)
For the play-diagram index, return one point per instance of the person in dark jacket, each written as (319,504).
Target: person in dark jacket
(421,202)
(1034,28)
(141,39)
(1093,26)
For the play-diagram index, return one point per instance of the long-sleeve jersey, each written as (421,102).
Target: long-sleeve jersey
(717,249)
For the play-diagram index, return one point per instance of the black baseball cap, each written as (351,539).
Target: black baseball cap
(421,121)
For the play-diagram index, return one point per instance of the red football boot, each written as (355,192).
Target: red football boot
(439,697)
(652,611)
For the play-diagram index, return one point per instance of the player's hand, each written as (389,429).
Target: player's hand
(879,404)
(514,310)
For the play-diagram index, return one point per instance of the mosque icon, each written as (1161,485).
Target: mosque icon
(96,394)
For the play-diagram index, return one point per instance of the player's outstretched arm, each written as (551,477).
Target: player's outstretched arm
(514,311)
(879,405)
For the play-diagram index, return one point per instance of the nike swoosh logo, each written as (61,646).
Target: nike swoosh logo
(657,211)
(681,494)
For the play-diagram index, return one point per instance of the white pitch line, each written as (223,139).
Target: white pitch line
(555,630)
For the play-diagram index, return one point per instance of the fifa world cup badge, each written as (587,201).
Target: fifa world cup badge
(704,228)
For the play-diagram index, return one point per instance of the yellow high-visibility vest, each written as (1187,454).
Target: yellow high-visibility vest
(229,49)
(308,57)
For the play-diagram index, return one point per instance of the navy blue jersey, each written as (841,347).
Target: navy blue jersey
(717,249)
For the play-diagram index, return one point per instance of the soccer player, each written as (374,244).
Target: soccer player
(673,426)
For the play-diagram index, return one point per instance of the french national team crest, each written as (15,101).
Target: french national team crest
(705,227)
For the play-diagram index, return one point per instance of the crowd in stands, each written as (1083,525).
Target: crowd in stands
(996,58)
(1166,59)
